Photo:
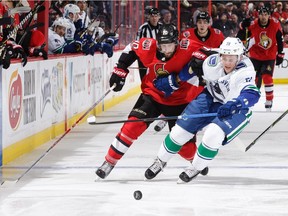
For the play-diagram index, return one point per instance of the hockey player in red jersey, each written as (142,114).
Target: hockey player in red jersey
(203,32)
(265,45)
(162,57)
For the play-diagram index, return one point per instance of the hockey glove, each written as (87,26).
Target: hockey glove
(16,51)
(246,22)
(107,48)
(197,60)
(186,73)
(166,84)
(279,58)
(118,77)
(38,52)
(232,107)
(5,58)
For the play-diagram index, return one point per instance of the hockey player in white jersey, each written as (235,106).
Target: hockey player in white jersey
(71,14)
(230,92)
(56,41)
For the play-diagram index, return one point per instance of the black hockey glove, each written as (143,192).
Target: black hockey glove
(16,51)
(39,52)
(279,58)
(118,78)
(197,60)
(246,22)
(5,58)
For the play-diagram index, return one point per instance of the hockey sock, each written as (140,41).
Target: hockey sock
(129,132)
(204,155)
(188,150)
(168,149)
(268,86)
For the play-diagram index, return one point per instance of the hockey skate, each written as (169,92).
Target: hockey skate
(160,125)
(104,170)
(189,174)
(154,169)
(268,105)
(205,171)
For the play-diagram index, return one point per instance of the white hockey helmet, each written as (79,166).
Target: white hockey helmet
(60,22)
(71,8)
(232,46)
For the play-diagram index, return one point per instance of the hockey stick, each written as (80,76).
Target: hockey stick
(37,8)
(23,9)
(267,129)
(60,138)
(27,30)
(201,115)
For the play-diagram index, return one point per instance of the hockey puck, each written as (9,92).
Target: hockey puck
(137,195)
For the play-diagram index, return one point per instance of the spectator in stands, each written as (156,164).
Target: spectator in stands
(166,16)
(224,25)
(103,8)
(203,8)
(168,5)
(279,14)
(241,12)
(285,34)
(235,25)
(83,15)
(229,10)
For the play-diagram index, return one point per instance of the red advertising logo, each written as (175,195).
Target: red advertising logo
(15,100)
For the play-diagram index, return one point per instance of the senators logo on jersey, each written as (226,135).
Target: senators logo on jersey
(160,69)
(265,42)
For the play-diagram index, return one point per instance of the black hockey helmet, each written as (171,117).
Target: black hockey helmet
(167,33)
(264,10)
(154,11)
(203,15)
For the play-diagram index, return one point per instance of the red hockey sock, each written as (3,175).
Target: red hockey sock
(129,132)
(268,86)
(188,151)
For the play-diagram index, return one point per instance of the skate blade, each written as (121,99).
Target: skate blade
(180,181)
(98,179)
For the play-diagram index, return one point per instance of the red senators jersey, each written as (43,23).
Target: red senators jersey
(213,39)
(146,49)
(263,40)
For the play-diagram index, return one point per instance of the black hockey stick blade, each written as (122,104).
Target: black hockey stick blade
(267,129)
(166,118)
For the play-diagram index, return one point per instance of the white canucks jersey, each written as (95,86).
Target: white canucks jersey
(70,31)
(224,87)
(55,42)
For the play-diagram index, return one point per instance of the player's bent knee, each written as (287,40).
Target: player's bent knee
(213,136)
(179,135)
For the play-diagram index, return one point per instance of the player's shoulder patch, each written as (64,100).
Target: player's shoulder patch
(186,34)
(184,43)
(146,44)
(212,60)
(240,65)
